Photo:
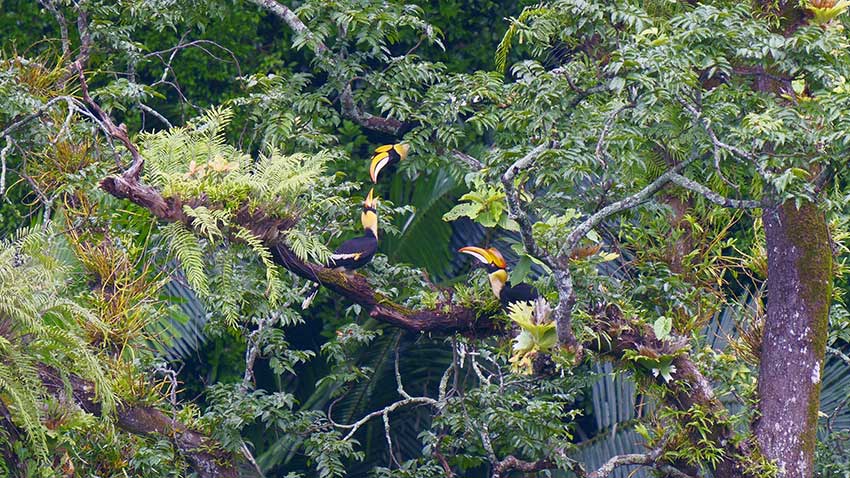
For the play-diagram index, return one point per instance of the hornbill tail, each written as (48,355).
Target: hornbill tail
(312,295)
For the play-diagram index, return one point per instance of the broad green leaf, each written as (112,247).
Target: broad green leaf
(662,327)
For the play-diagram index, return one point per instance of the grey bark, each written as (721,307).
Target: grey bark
(799,258)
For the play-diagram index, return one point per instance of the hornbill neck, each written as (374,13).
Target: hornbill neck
(498,279)
(369,219)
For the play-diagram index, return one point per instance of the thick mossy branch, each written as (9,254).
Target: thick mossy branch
(445,319)
(171,209)
(688,389)
(143,420)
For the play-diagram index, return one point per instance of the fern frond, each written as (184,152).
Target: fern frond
(187,249)
(307,247)
(504,47)
(40,326)
(16,382)
(81,359)
(275,286)
(206,220)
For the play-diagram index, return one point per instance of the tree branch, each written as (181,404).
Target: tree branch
(291,19)
(253,346)
(63,26)
(37,114)
(352,429)
(834,351)
(512,463)
(446,318)
(714,197)
(627,203)
(473,163)
(118,132)
(143,420)
(85,39)
(609,123)
(823,178)
(3,153)
(646,459)
(350,109)
(155,114)
(718,145)
(560,268)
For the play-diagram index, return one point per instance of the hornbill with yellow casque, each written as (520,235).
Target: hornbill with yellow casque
(386,155)
(498,275)
(355,253)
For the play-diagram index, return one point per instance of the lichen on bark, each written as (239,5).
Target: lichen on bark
(799,291)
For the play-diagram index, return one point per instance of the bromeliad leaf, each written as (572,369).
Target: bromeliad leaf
(538,334)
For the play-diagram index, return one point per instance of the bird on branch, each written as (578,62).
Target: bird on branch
(354,253)
(386,155)
(498,275)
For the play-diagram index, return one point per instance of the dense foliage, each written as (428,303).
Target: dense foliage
(174,174)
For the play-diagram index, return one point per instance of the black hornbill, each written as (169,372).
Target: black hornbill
(355,253)
(386,155)
(498,275)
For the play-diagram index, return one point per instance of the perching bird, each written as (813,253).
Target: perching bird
(386,155)
(498,275)
(355,253)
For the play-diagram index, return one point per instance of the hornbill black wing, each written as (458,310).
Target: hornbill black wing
(518,293)
(354,253)
(351,254)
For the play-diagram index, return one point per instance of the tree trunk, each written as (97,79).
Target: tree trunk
(799,263)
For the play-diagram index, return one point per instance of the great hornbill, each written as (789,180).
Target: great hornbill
(498,275)
(355,253)
(386,155)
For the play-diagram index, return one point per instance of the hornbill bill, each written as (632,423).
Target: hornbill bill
(386,155)
(354,253)
(498,275)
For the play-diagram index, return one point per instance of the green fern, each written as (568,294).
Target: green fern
(39,326)
(275,287)
(188,251)
(206,220)
(307,247)
(195,161)
(504,47)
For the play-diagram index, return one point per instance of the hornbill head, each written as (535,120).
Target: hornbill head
(495,264)
(385,155)
(369,216)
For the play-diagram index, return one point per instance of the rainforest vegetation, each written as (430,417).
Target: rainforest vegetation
(370,238)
